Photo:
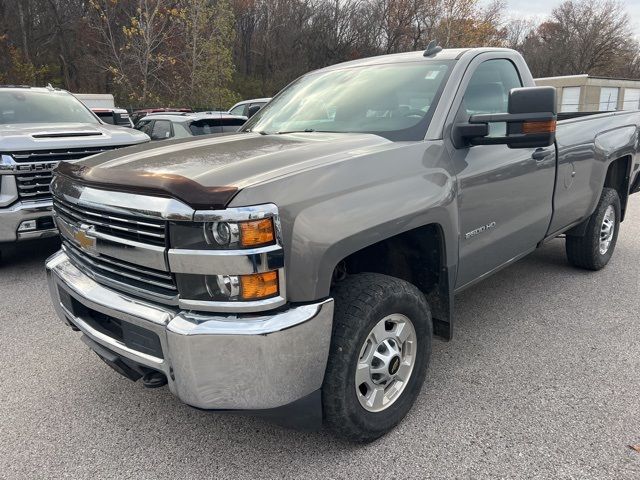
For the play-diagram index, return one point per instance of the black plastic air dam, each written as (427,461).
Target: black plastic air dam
(114,361)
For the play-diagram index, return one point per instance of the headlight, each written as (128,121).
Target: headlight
(230,288)
(229,260)
(223,235)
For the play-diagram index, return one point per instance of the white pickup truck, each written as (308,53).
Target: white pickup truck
(39,127)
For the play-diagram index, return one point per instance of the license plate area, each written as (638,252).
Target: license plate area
(134,337)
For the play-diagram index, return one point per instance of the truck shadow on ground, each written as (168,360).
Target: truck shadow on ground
(28,253)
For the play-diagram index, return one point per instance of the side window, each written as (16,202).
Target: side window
(488,90)
(232,124)
(239,110)
(205,127)
(145,126)
(161,130)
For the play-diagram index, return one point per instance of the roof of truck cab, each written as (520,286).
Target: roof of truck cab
(445,54)
(28,88)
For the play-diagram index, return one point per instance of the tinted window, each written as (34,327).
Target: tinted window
(106,117)
(233,122)
(239,110)
(161,130)
(392,100)
(215,125)
(205,127)
(144,126)
(27,106)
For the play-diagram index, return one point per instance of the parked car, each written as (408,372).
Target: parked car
(143,112)
(114,116)
(96,100)
(301,266)
(242,108)
(39,127)
(183,125)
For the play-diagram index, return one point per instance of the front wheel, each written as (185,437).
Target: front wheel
(379,355)
(594,250)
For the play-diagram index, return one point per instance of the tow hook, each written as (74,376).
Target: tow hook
(154,379)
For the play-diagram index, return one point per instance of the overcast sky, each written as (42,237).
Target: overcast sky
(541,8)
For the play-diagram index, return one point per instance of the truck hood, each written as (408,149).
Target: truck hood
(207,172)
(40,136)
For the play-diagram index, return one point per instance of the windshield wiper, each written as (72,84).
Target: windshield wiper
(306,130)
(261,132)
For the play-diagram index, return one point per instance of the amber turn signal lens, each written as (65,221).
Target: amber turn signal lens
(259,285)
(547,126)
(256,232)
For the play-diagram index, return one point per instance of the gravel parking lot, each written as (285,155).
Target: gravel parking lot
(541,380)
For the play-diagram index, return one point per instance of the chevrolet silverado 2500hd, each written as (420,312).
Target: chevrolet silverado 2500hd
(303,264)
(39,127)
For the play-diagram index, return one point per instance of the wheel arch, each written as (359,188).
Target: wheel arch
(418,256)
(618,177)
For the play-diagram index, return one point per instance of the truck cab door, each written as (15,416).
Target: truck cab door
(505,194)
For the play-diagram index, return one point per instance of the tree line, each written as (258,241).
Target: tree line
(209,53)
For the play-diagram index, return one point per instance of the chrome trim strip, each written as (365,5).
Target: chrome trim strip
(226,262)
(49,232)
(152,256)
(188,323)
(8,166)
(237,214)
(81,218)
(123,272)
(231,307)
(127,288)
(121,202)
(136,268)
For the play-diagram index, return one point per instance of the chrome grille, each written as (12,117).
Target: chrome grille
(59,154)
(149,231)
(122,275)
(33,168)
(34,185)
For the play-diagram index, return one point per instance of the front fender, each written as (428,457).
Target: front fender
(335,209)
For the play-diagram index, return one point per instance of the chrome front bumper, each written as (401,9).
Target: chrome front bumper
(11,218)
(211,361)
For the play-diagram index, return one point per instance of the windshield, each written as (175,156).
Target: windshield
(395,101)
(30,106)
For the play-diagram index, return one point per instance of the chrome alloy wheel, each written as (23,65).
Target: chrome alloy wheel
(607,229)
(386,362)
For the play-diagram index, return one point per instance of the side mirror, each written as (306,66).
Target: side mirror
(530,123)
(253,109)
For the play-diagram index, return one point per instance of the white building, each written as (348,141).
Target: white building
(586,93)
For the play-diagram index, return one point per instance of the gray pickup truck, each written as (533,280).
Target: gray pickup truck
(39,127)
(301,266)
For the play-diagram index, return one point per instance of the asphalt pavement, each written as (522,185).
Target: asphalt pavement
(542,380)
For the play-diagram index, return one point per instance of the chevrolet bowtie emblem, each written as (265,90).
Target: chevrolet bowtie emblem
(84,241)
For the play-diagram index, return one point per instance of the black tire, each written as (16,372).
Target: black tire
(361,301)
(584,252)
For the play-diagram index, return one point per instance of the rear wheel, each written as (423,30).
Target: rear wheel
(594,250)
(379,355)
